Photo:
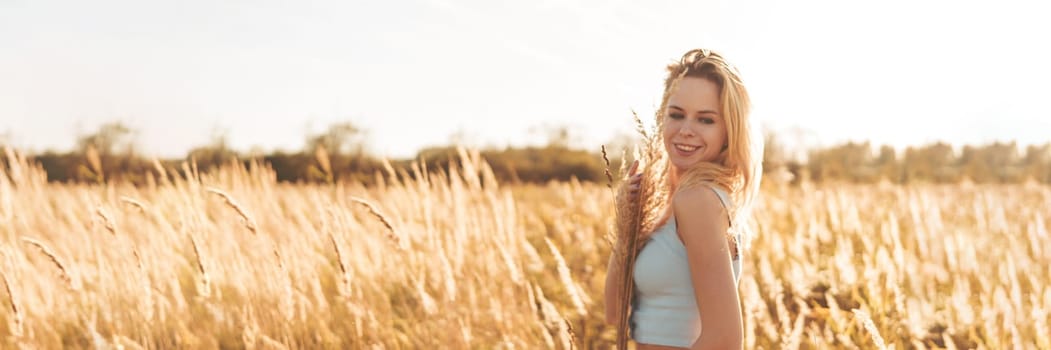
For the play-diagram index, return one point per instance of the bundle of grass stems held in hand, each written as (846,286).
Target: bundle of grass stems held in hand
(635,219)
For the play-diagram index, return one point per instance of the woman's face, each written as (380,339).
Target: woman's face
(694,130)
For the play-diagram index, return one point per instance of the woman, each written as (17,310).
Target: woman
(708,169)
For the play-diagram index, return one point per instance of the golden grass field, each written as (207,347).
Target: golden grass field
(235,260)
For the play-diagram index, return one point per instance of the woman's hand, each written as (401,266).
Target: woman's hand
(631,187)
(627,201)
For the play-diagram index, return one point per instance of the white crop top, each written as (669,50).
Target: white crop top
(664,308)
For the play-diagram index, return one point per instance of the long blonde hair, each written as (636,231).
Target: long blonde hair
(738,170)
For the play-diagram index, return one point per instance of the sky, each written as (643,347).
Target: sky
(495,73)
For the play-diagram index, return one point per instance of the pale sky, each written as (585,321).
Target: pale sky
(413,73)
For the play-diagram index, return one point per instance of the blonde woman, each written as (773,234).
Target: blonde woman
(696,192)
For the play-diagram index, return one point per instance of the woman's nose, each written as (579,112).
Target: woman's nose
(686,131)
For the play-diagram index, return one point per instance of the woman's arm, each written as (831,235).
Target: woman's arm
(702,223)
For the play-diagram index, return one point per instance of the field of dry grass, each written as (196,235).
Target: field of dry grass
(454,260)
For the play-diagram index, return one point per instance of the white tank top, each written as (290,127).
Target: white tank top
(664,309)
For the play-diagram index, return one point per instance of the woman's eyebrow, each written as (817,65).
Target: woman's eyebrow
(706,111)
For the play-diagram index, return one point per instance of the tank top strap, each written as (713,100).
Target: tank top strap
(724,198)
(727,203)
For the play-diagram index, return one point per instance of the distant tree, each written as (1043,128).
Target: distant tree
(217,153)
(109,154)
(288,167)
(557,136)
(339,138)
(972,164)
(786,154)
(934,162)
(1037,162)
(995,163)
(346,149)
(886,164)
(850,161)
(109,139)
(1005,162)
(60,167)
(534,164)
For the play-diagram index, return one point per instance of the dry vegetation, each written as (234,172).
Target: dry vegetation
(454,260)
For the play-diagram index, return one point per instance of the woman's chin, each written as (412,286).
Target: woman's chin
(687,164)
(683,165)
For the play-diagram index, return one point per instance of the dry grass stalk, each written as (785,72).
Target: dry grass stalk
(1043,332)
(323,161)
(111,227)
(548,312)
(66,276)
(19,320)
(539,317)
(123,342)
(280,262)
(193,167)
(534,305)
(160,170)
(795,336)
(188,175)
(389,168)
(147,286)
(863,317)
(609,176)
(566,335)
(135,203)
(532,257)
(783,317)
(134,251)
(576,296)
(271,343)
(94,161)
(448,276)
(205,289)
(249,333)
(465,333)
(230,202)
(107,220)
(14,161)
(512,267)
(392,235)
(344,274)
(610,237)
(427,302)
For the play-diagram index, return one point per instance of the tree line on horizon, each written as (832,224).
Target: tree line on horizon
(339,154)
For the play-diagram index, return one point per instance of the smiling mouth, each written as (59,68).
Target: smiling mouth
(686,148)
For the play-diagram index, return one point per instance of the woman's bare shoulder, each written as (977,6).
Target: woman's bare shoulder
(698,200)
(700,216)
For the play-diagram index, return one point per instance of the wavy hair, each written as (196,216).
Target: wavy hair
(738,169)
